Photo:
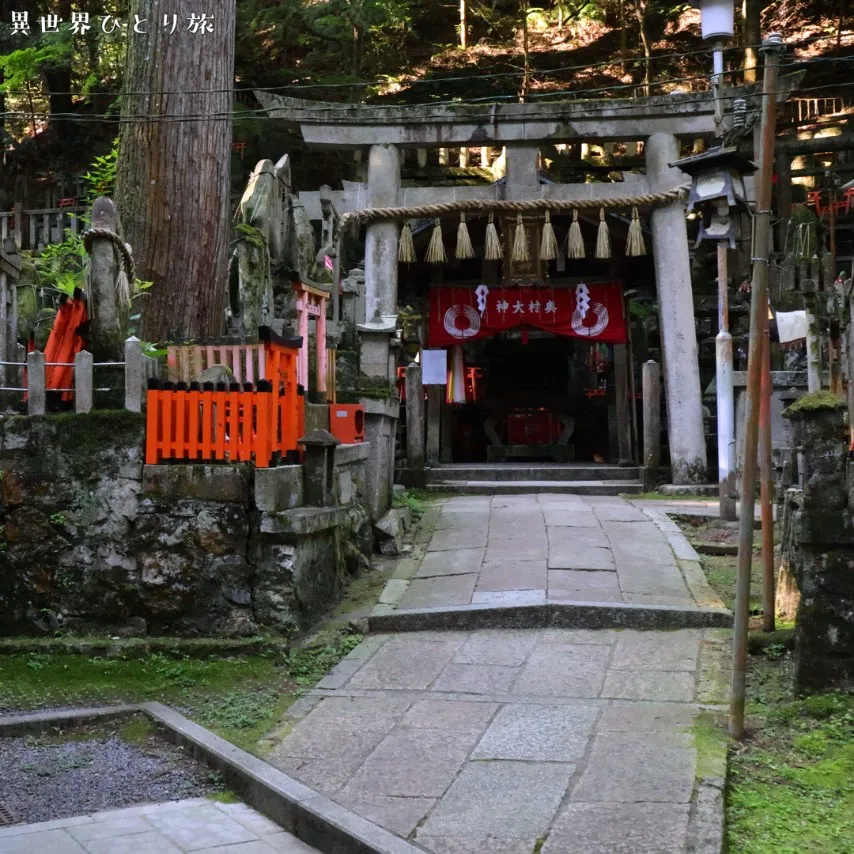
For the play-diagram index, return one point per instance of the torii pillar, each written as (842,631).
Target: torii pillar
(381,239)
(676,317)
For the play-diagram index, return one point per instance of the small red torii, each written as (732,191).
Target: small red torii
(311,302)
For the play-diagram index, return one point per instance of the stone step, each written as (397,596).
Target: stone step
(501,472)
(518,487)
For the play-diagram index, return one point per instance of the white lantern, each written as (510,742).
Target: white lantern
(717,18)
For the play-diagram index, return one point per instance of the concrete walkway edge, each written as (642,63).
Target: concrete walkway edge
(308,815)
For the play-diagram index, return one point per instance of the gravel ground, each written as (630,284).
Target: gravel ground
(43,779)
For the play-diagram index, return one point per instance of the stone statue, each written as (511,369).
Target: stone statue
(262,231)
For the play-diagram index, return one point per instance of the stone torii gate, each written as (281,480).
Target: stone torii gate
(661,122)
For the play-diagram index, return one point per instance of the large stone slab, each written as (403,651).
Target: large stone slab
(646,717)
(412,762)
(510,648)
(642,828)
(580,586)
(397,814)
(458,538)
(627,767)
(476,678)
(622,512)
(438,591)
(657,650)
(459,562)
(449,714)
(657,685)
(570,517)
(539,733)
(577,556)
(567,537)
(512,575)
(500,799)
(405,662)
(535,548)
(562,670)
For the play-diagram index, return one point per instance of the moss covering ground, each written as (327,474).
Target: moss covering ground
(791,781)
(239,697)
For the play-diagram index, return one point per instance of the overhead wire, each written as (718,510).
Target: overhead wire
(442,80)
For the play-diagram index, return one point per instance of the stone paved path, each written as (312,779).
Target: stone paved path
(512,741)
(530,549)
(197,825)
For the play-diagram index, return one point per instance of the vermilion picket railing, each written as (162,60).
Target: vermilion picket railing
(209,423)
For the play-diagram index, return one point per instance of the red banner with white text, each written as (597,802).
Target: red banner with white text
(593,312)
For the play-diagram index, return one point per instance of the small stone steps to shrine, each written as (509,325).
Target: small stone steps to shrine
(518,478)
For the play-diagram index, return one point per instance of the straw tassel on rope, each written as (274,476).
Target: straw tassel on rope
(520,241)
(464,247)
(548,245)
(436,249)
(635,244)
(406,247)
(603,238)
(493,244)
(574,241)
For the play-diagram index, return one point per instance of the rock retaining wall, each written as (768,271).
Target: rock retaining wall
(93,540)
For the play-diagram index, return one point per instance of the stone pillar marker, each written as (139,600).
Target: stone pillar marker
(818,540)
(36,398)
(319,468)
(676,314)
(135,378)
(414,418)
(83,381)
(651,392)
(435,396)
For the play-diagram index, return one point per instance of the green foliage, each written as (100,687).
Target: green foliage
(101,176)
(792,786)
(60,266)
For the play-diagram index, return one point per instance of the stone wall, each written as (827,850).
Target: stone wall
(818,544)
(93,540)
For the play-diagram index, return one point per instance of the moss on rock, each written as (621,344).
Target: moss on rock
(815,401)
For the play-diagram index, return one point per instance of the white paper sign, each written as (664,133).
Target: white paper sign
(434,367)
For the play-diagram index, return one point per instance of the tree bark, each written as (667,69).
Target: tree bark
(173,182)
(751,12)
(640,15)
(463,25)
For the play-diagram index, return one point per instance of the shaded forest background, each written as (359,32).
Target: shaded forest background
(60,93)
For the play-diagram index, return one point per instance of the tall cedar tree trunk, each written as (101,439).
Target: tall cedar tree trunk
(174,173)
(751,12)
(463,25)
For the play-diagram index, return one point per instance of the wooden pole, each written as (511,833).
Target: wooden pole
(771,47)
(766,496)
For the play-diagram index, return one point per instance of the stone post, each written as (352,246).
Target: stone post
(623,410)
(35,383)
(435,397)
(676,315)
(820,539)
(381,238)
(105,264)
(135,378)
(414,419)
(522,181)
(83,381)
(651,379)
(318,468)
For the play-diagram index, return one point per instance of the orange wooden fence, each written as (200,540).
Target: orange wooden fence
(252,421)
